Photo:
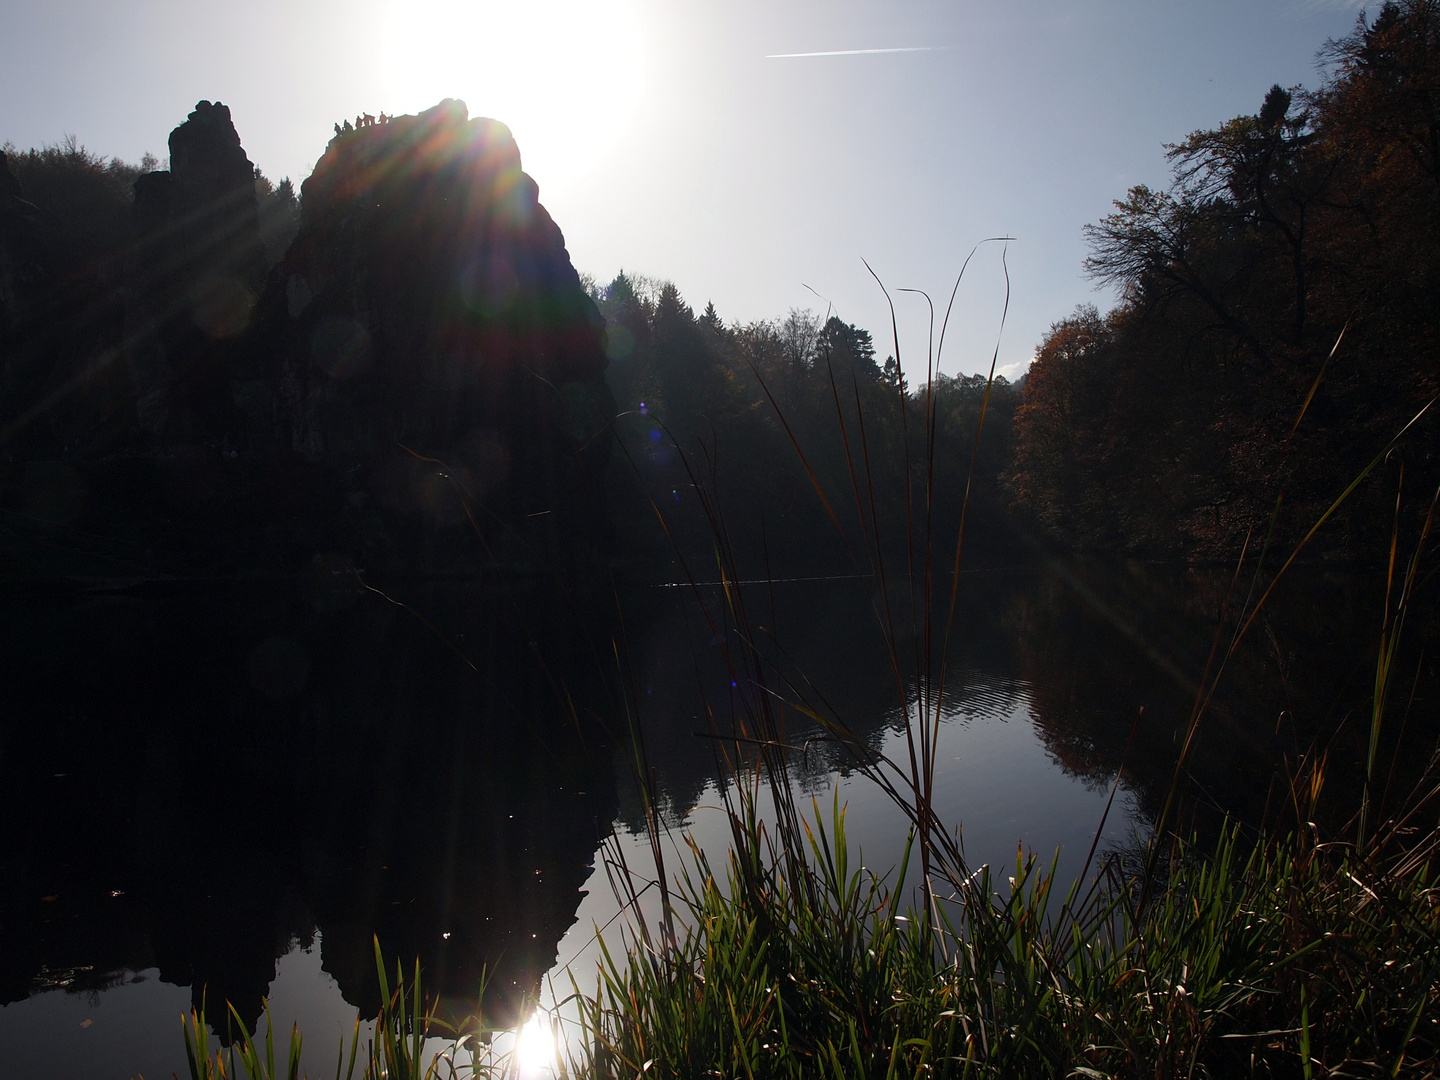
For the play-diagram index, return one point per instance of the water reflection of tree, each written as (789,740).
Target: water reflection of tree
(1097,641)
(1088,644)
(817,634)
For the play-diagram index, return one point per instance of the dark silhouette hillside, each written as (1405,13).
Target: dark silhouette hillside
(402,368)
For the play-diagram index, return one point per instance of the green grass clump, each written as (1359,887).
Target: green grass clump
(396,1050)
(1271,957)
(1277,957)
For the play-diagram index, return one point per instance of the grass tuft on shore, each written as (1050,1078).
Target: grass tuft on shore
(1276,957)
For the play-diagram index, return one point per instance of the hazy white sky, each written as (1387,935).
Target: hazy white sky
(666,140)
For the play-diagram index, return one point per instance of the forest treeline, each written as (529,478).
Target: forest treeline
(783,432)
(1169,424)
(84,203)
(719,424)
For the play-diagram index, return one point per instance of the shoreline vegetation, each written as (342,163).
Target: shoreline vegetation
(1288,950)
(1280,956)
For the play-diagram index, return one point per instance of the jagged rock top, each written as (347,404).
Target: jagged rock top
(205,151)
(443,195)
(440,146)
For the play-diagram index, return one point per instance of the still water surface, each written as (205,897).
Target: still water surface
(226,790)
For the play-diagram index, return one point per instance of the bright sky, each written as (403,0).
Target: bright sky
(670,139)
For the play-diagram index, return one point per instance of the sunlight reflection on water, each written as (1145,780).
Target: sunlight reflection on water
(996,778)
(1000,773)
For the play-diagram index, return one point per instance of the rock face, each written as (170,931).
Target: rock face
(419,382)
(427,342)
(196,271)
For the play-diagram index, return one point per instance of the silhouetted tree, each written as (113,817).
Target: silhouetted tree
(65,228)
(279,210)
(743,403)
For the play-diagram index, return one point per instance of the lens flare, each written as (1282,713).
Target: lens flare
(340,347)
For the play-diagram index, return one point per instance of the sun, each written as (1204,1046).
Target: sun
(566,76)
(535,1051)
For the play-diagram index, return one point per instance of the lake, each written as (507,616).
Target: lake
(225,790)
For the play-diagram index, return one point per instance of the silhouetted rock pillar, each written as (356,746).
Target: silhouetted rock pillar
(197,270)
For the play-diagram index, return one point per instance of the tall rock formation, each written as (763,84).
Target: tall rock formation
(419,382)
(427,341)
(196,270)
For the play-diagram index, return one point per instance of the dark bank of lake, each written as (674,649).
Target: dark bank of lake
(227,789)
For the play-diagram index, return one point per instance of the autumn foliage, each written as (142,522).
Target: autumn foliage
(1170,424)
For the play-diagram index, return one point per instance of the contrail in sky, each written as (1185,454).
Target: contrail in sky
(855,52)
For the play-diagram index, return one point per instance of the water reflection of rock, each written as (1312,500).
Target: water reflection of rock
(193,782)
(190,782)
